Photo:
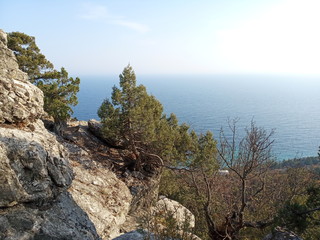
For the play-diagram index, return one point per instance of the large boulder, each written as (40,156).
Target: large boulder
(20,101)
(103,196)
(181,215)
(167,216)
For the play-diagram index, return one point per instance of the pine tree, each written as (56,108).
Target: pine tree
(136,120)
(29,57)
(59,89)
(59,94)
(132,116)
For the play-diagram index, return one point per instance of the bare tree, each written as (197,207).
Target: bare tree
(248,161)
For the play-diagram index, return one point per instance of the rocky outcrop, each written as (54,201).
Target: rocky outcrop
(280,234)
(20,101)
(91,152)
(103,196)
(34,167)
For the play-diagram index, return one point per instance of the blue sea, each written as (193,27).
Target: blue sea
(289,105)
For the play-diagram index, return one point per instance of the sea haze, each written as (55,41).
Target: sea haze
(289,105)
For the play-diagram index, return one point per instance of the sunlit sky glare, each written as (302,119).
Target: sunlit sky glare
(172,37)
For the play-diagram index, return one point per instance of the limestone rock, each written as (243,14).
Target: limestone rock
(281,234)
(3,37)
(181,214)
(155,228)
(142,235)
(103,196)
(33,165)
(63,220)
(20,101)
(34,168)
(136,235)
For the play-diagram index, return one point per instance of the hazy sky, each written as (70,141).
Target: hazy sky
(172,37)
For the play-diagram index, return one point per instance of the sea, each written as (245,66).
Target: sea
(289,105)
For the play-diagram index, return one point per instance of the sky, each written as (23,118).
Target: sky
(172,37)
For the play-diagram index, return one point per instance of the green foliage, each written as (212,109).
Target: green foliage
(29,57)
(180,185)
(302,215)
(135,120)
(59,94)
(204,155)
(291,219)
(132,116)
(312,203)
(174,141)
(59,89)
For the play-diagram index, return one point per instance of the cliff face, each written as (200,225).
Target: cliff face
(20,101)
(34,168)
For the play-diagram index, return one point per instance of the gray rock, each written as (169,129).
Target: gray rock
(104,197)
(3,37)
(20,101)
(136,235)
(62,220)
(34,167)
(281,234)
(181,214)
(142,235)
